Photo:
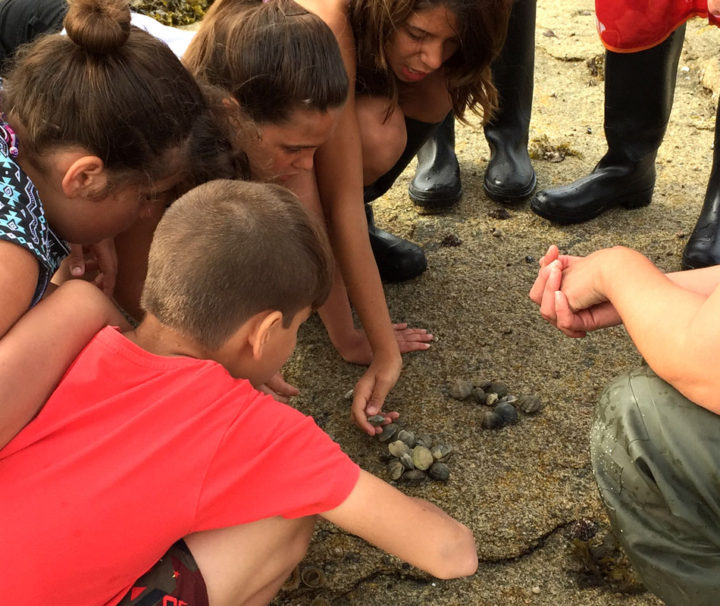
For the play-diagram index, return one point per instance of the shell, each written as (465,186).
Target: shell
(422,458)
(398,448)
(388,432)
(440,451)
(439,471)
(507,413)
(407,436)
(510,399)
(424,440)
(491,420)
(313,577)
(479,395)
(395,469)
(376,420)
(349,395)
(529,404)
(460,389)
(499,388)
(406,460)
(491,398)
(414,476)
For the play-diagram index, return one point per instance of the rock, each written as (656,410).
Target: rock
(398,448)
(388,432)
(507,413)
(422,458)
(439,471)
(460,389)
(407,436)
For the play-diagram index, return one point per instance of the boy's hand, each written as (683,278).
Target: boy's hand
(279,389)
(371,391)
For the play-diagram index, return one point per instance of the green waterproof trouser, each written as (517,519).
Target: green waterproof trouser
(656,458)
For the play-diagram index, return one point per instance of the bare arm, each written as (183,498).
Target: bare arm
(414,530)
(339,177)
(19,273)
(38,349)
(675,329)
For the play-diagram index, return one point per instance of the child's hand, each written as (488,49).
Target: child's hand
(372,389)
(357,350)
(279,389)
(96,263)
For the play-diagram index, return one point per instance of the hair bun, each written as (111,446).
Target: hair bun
(100,26)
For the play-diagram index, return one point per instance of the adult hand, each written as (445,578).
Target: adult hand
(372,389)
(279,389)
(96,263)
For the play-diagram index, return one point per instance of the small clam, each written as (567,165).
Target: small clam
(312,577)
(376,420)
(491,398)
(398,448)
(422,458)
(529,404)
(507,413)
(439,471)
(499,388)
(406,460)
(395,469)
(407,436)
(414,476)
(491,420)
(388,432)
(510,399)
(423,440)
(460,389)
(441,451)
(479,395)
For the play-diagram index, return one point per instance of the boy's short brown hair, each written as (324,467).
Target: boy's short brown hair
(227,250)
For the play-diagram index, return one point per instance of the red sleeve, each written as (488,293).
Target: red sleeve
(273,461)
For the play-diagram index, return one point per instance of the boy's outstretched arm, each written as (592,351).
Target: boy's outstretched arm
(40,347)
(412,529)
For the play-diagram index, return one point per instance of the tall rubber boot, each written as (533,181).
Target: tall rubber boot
(509,176)
(436,184)
(639,89)
(703,247)
(397,259)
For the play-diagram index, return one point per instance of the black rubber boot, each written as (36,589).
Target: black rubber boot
(436,184)
(639,89)
(397,259)
(509,176)
(703,247)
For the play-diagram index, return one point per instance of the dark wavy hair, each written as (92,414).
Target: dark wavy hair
(482,28)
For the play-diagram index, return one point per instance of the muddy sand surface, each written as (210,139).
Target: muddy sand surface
(527,490)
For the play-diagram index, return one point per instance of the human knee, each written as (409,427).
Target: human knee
(383,137)
(298,540)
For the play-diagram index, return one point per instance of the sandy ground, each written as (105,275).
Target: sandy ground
(521,489)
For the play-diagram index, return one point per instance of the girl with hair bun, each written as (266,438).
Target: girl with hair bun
(96,124)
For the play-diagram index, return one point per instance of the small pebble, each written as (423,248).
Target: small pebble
(536,590)
(376,420)
(388,433)
(422,458)
(406,460)
(414,476)
(491,420)
(439,471)
(507,413)
(406,436)
(398,448)
(349,395)
(460,389)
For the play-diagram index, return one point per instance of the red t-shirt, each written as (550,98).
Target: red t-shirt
(134,451)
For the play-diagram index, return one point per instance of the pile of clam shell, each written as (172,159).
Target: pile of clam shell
(499,406)
(412,457)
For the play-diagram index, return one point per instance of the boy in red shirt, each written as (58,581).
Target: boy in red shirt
(158,435)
